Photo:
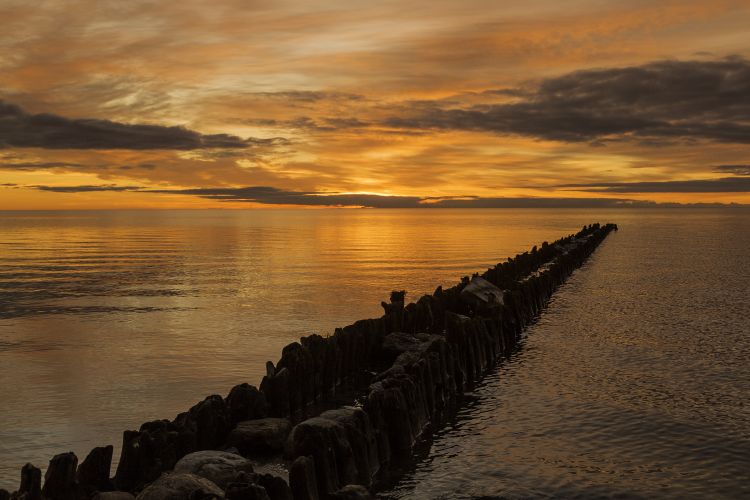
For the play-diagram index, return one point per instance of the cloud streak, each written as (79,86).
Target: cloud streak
(266,195)
(21,129)
(662,101)
(273,196)
(87,189)
(722,185)
(733,169)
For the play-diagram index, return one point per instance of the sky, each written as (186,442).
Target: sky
(479,103)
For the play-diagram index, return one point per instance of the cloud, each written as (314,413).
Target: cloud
(658,101)
(24,130)
(50,165)
(267,195)
(309,96)
(722,185)
(40,165)
(86,189)
(274,196)
(733,169)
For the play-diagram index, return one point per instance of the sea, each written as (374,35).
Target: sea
(634,382)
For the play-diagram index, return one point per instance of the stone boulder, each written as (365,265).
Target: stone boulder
(113,495)
(180,486)
(328,443)
(276,487)
(362,438)
(480,293)
(93,473)
(246,491)
(398,343)
(60,478)
(262,436)
(245,402)
(351,492)
(302,479)
(31,483)
(218,467)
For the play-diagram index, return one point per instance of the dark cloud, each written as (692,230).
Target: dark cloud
(477,202)
(48,165)
(42,165)
(325,124)
(733,169)
(24,130)
(274,196)
(267,195)
(309,96)
(722,185)
(340,123)
(8,184)
(665,100)
(140,166)
(86,189)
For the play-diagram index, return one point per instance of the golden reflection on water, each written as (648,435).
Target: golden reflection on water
(110,319)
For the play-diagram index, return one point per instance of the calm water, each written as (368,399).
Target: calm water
(633,383)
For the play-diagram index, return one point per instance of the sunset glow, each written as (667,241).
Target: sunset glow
(238,104)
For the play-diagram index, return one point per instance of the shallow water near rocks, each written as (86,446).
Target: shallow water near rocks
(631,384)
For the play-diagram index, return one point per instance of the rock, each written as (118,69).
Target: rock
(60,478)
(245,402)
(327,442)
(260,437)
(113,495)
(180,486)
(302,480)
(362,439)
(352,492)
(31,483)
(153,449)
(210,421)
(246,491)
(275,486)
(4,495)
(93,473)
(398,343)
(275,386)
(480,293)
(218,467)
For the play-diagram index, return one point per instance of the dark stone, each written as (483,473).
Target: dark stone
(4,495)
(327,442)
(113,495)
(351,492)
(361,438)
(218,467)
(210,421)
(398,343)
(60,478)
(153,449)
(481,294)
(31,483)
(93,473)
(299,362)
(245,402)
(246,491)
(276,389)
(275,486)
(260,437)
(180,486)
(302,480)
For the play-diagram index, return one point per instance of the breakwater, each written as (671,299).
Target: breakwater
(400,373)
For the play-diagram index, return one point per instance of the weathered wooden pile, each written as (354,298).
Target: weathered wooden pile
(404,370)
